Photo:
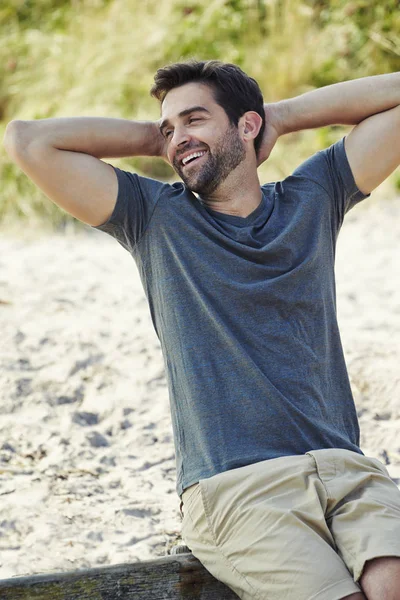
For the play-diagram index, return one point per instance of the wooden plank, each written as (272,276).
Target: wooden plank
(178,577)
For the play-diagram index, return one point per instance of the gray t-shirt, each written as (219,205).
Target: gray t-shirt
(245,312)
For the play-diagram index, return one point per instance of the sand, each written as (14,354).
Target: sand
(87,463)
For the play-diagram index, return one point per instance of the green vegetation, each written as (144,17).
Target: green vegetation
(98,57)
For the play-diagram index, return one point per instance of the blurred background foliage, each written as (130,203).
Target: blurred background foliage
(98,58)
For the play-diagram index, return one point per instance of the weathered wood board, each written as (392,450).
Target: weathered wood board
(180,577)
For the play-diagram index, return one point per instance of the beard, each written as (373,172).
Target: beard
(229,152)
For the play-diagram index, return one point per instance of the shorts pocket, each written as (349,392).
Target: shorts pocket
(379,465)
(188,493)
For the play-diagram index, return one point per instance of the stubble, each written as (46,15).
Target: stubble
(228,153)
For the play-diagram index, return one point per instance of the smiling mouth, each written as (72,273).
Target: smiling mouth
(192,158)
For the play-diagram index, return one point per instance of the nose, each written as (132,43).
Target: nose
(180,138)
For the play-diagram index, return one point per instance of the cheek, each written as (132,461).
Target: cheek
(170,156)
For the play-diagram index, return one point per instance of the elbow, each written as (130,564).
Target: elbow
(16,137)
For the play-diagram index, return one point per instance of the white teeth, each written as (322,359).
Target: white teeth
(193,155)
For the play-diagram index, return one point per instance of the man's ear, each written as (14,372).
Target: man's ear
(249,125)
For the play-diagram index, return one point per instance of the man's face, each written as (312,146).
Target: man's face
(202,145)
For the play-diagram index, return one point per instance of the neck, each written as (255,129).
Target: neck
(238,195)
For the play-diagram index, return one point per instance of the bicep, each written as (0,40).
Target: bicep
(82,185)
(373,149)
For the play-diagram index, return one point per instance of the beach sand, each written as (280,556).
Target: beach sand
(87,464)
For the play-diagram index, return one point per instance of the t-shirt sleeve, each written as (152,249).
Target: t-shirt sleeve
(136,201)
(330,169)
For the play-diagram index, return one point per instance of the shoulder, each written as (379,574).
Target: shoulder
(132,183)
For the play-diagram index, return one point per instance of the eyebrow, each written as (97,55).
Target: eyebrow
(184,113)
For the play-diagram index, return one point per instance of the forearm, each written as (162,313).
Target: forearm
(346,103)
(99,137)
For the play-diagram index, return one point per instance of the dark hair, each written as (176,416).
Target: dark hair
(233,90)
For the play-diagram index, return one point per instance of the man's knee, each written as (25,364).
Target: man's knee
(381,578)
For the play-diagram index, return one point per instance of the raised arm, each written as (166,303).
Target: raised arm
(62,157)
(370,103)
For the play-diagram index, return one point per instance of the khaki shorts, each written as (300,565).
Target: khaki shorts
(296,527)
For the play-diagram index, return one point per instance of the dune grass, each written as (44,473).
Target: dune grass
(98,58)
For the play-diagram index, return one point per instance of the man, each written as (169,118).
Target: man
(279,501)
